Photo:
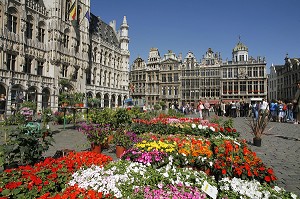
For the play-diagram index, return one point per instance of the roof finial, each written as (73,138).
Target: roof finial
(239,38)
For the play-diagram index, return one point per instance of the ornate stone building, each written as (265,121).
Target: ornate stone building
(172,80)
(283,78)
(201,80)
(41,44)
(244,77)
(157,80)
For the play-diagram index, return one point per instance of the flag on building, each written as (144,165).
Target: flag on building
(87,15)
(72,11)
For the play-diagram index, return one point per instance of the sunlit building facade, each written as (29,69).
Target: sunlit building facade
(244,77)
(283,79)
(45,42)
(187,81)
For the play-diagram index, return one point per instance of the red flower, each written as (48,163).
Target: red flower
(223,171)
(267,178)
(270,171)
(12,185)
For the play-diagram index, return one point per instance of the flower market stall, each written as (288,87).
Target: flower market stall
(167,157)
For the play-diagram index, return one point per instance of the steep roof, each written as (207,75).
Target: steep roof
(103,30)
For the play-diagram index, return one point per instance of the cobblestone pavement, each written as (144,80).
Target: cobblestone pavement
(280,148)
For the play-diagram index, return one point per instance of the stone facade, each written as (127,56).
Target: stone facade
(187,81)
(283,78)
(244,77)
(41,46)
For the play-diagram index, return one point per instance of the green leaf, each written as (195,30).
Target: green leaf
(5,192)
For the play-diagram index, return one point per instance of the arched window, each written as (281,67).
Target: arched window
(66,38)
(95,54)
(29,27)
(12,20)
(100,76)
(41,32)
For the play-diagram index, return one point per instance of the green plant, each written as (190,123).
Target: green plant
(259,125)
(121,117)
(96,133)
(29,104)
(122,138)
(25,145)
(77,97)
(228,123)
(63,98)
(104,116)
(157,107)
(46,116)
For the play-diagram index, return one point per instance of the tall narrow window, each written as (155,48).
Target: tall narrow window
(224,73)
(68,6)
(229,72)
(175,90)
(29,30)
(12,23)
(169,77)
(261,71)
(11,62)
(261,87)
(243,87)
(64,71)
(27,65)
(250,90)
(40,66)
(255,72)
(41,34)
(249,72)
(224,87)
(169,90)
(255,86)
(230,87)
(66,41)
(164,78)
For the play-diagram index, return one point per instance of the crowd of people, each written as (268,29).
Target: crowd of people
(278,110)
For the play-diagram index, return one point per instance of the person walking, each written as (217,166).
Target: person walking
(223,108)
(281,114)
(297,103)
(273,109)
(233,109)
(200,108)
(206,109)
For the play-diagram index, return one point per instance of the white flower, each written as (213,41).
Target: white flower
(212,128)
(166,174)
(200,126)
(193,126)
(294,196)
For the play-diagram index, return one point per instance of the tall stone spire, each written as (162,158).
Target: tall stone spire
(124,39)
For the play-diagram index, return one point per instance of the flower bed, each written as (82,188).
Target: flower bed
(197,165)
(186,126)
(49,176)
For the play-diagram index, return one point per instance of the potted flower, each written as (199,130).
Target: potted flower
(122,139)
(258,126)
(78,99)
(63,99)
(24,145)
(97,134)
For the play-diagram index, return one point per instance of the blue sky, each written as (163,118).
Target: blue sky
(269,28)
